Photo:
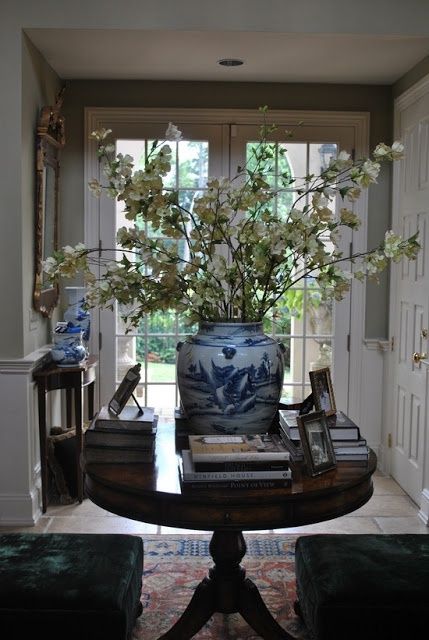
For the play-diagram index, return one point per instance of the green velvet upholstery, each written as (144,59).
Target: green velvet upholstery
(364,587)
(69,586)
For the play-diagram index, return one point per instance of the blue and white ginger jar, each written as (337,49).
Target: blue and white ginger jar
(68,349)
(230,378)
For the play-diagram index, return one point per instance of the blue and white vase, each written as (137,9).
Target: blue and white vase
(230,378)
(75,315)
(68,349)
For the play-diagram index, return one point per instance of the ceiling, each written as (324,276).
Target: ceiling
(117,54)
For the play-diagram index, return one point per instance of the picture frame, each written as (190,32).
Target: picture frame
(323,391)
(316,442)
(125,390)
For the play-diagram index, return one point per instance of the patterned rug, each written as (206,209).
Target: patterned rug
(173,567)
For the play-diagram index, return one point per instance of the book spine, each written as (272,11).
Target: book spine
(110,457)
(236,475)
(337,433)
(96,439)
(241,466)
(240,484)
(108,447)
(237,456)
(344,433)
(123,426)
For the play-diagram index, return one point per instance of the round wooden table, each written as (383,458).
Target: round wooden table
(152,493)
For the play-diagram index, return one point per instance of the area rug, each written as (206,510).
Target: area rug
(173,567)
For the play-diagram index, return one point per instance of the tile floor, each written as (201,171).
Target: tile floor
(390,510)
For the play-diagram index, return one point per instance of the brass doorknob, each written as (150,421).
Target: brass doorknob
(419,356)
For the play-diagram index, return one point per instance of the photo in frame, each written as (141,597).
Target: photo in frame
(125,390)
(323,391)
(316,442)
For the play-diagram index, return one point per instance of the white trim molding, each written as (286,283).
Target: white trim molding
(424,507)
(19,441)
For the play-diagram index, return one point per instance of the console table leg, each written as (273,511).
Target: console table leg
(78,403)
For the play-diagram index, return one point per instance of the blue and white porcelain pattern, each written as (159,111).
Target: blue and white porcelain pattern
(68,349)
(230,378)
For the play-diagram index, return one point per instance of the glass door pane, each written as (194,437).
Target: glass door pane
(309,329)
(153,342)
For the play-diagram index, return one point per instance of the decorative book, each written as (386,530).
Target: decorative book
(341,427)
(242,465)
(115,438)
(190,475)
(238,447)
(116,455)
(130,419)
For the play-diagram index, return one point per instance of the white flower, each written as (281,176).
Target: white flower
(49,265)
(343,156)
(95,187)
(397,150)
(100,134)
(381,150)
(172,132)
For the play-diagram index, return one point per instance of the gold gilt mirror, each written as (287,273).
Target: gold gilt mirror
(50,139)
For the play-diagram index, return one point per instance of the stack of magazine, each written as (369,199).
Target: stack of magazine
(125,438)
(349,445)
(235,462)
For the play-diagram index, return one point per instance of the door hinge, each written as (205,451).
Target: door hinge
(392,343)
(389,440)
(348,342)
(353,154)
(100,340)
(100,248)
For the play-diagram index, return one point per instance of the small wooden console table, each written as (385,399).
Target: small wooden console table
(74,380)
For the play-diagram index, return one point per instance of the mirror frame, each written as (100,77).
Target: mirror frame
(50,139)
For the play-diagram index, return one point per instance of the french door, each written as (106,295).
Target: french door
(314,335)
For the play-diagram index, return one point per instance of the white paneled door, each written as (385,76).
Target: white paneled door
(410,295)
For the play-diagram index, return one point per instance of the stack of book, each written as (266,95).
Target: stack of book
(235,462)
(124,439)
(346,438)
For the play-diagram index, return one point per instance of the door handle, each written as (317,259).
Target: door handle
(419,356)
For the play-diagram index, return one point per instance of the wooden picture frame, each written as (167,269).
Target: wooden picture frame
(50,140)
(323,391)
(316,442)
(125,390)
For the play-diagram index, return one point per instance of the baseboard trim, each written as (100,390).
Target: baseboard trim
(18,510)
(424,507)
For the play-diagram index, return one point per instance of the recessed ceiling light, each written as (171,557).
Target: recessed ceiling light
(230,62)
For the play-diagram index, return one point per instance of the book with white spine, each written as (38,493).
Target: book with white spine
(190,475)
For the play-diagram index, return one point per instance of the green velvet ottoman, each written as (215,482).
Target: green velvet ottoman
(363,587)
(69,586)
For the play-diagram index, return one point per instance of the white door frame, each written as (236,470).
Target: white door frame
(98,117)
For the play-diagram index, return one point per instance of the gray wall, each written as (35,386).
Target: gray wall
(377,100)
